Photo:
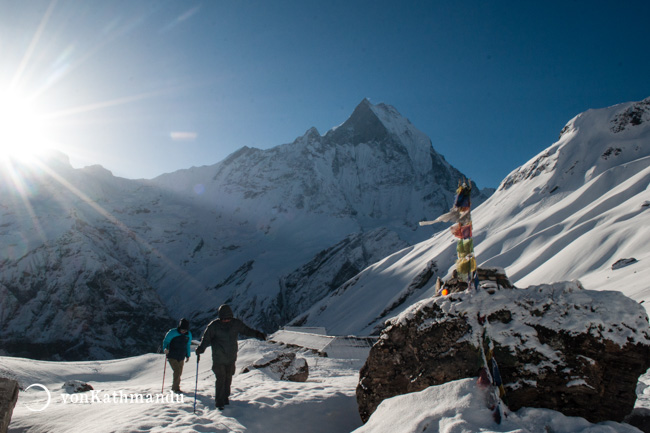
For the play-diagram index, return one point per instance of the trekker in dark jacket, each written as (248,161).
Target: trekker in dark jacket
(222,335)
(177,346)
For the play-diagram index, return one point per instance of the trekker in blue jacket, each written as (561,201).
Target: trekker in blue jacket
(177,346)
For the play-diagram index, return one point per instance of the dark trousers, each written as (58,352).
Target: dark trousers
(177,368)
(223,373)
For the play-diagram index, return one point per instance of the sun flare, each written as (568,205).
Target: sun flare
(21,128)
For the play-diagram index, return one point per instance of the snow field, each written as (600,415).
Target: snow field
(459,407)
(325,403)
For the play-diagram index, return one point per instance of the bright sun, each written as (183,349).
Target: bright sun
(21,128)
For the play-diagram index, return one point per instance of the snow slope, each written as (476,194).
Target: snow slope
(569,213)
(585,209)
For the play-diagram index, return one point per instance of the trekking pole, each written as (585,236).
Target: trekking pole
(164,371)
(197,381)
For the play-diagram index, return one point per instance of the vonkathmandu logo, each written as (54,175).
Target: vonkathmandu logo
(103,397)
(49,397)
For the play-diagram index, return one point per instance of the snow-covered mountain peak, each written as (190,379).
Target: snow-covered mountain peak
(363,126)
(48,158)
(589,145)
(375,170)
(377,123)
(383,128)
(98,170)
(374,166)
(18,176)
(312,133)
(310,136)
(391,118)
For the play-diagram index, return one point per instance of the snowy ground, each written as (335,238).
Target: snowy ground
(459,406)
(260,402)
(325,403)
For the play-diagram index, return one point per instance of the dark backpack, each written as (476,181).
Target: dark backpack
(178,347)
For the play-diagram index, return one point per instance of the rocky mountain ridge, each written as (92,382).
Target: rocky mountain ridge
(97,266)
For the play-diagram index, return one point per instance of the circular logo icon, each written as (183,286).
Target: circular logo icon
(49,396)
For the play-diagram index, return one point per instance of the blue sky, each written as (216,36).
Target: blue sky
(149,87)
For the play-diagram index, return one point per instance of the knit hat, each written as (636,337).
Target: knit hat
(225,312)
(184,324)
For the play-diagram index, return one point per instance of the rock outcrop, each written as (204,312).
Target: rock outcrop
(282,366)
(558,346)
(8,399)
(76,386)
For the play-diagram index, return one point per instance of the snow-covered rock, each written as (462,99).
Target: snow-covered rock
(282,366)
(621,263)
(558,346)
(76,386)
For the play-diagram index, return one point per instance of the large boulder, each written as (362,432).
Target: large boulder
(558,346)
